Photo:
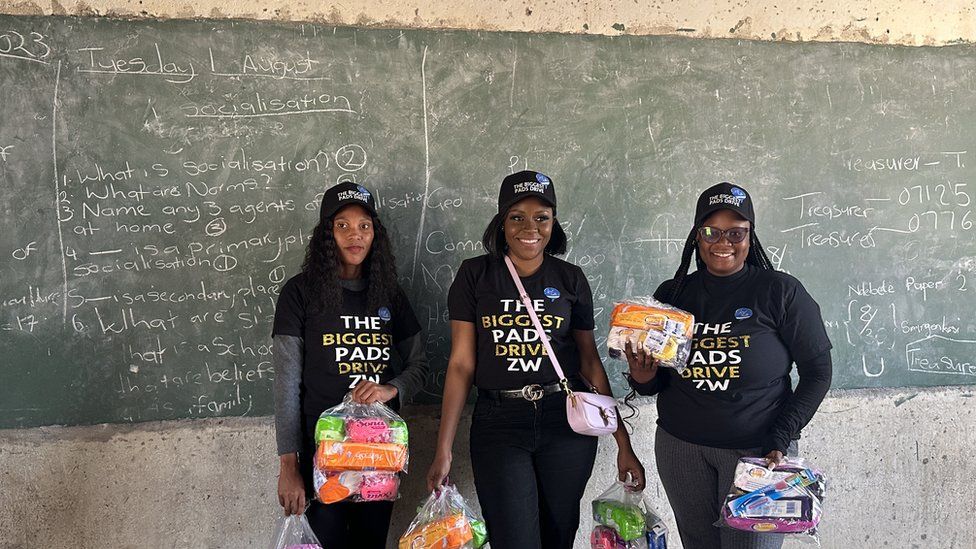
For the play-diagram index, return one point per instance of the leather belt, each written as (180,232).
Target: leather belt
(530,393)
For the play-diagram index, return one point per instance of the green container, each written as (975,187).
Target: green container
(398,432)
(627,519)
(330,428)
(480,533)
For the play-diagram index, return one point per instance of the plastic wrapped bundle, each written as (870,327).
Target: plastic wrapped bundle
(445,521)
(361,448)
(785,500)
(294,532)
(626,521)
(334,486)
(663,331)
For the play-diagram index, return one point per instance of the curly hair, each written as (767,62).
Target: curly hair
(322,263)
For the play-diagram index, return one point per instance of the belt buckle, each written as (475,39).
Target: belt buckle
(533,392)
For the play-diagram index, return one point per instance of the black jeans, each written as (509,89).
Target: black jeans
(348,525)
(342,525)
(530,471)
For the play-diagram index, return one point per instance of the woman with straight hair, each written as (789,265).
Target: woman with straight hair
(736,397)
(530,468)
(346,303)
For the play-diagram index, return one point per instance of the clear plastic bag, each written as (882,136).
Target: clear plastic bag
(784,500)
(665,332)
(333,486)
(360,450)
(626,521)
(445,521)
(294,532)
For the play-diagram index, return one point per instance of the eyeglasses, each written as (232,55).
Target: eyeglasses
(712,235)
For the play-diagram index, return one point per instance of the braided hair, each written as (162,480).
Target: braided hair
(756,257)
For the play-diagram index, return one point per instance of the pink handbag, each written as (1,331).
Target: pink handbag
(588,413)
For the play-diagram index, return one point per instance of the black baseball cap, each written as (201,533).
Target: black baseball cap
(724,196)
(523,185)
(346,193)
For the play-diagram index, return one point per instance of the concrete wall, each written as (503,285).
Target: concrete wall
(901,464)
(901,460)
(911,22)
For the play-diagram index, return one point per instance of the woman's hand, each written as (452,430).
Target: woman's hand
(774,458)
(643,367)
(439,469)
(628,464)
(367,392)
(291,489)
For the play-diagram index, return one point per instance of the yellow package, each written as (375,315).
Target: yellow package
(451,532)
(663,331)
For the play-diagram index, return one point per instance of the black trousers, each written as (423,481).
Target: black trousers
(342,525)
(348,525)
(530,471)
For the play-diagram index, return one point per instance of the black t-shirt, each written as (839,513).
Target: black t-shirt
(342,347)
(510,353)
(749,329)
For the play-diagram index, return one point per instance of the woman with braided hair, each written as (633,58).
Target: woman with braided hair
(736,397)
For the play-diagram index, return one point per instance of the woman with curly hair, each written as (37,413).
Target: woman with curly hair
(336,326)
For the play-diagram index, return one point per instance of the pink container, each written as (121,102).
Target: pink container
(368,429)
(379,487)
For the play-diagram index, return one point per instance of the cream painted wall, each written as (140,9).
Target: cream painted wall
(909,22)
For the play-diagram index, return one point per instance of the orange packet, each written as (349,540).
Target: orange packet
(360,456)
(447,533)
(646,317)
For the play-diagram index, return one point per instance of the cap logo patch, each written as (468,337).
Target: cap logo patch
(361,195)
(530,187)
(384,314)
(726,199)
(552,293)
(743,313)
(737,192)
(542,179)
(366,192)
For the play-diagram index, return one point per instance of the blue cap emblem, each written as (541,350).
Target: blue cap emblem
(552,293)
(542,179)
(738,193)
(743,313)
(362,190)
(384,314)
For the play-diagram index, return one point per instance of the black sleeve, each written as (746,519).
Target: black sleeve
(460,298)
(582,316)
(815,375)
(405,324)
(289,318)
(653,386)
(800,326)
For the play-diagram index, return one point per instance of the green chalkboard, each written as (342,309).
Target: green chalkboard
(159,181)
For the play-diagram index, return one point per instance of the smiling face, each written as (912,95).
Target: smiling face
(528,228)
(352,228)
(723,257)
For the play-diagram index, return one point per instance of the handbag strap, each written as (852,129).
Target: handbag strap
(527,301)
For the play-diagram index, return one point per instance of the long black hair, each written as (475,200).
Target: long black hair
(322,263)
(496,246)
